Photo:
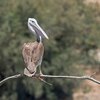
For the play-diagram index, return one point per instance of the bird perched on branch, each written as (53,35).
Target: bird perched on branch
(33,52)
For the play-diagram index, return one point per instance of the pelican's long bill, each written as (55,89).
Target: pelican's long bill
(35,28)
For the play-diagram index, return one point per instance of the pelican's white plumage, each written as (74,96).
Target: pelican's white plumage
(35,28)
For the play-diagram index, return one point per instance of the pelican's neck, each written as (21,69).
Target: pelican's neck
(39,39)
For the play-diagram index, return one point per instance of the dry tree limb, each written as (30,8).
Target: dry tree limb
(73,77)
(9,78)
(87,77)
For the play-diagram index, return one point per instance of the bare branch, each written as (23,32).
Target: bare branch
(9,78)
(69,77)
(52,76)
(73,77)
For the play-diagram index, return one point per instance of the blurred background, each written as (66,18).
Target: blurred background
(73,27)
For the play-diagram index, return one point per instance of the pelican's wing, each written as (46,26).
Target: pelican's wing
(26,53)
(37,54)
(27,50)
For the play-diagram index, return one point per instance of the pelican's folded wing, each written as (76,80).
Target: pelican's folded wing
(27,52)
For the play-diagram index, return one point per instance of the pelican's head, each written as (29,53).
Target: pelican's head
(36,29)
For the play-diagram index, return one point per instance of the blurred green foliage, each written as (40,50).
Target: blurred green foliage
(73,28)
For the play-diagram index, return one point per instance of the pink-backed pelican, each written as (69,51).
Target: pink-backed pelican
(33,52)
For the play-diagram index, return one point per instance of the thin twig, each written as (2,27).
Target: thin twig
(44,81)
(9,78)
(52,76)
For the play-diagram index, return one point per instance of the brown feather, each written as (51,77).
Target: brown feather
(32,54)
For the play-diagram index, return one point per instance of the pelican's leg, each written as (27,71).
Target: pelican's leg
(40,71)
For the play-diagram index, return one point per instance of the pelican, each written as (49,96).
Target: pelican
(33,52)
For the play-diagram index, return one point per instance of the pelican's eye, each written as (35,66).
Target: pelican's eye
(32,21)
